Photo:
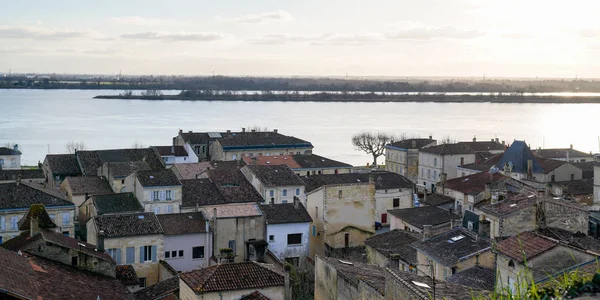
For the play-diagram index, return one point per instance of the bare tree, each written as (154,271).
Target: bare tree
(371,143)
(448,140)
(137,145)
(75,146)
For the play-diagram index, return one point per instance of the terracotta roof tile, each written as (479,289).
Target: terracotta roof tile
(474,184)
(256,295)
(126,274)
(182,223)
(526,245)
(233,210)
(128,224)
(160,290)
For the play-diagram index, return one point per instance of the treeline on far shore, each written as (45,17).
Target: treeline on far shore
(282,96)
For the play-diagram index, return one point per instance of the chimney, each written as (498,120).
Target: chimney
(197,207)
(190,131)
(180,131)
(426,232)
(296,202)
(288,289)
(488,191)
(253,130)
(100,245)
(229,130)
(34,226)
(568,153)
(172,149)
(529,168)
(474,139)
(16,147)
(214,232)
(275,130)
(497,140)
(503,143)
(243,129)
(424,197)
(414,144)
(492,140)
(570,147)
(494,198)
(395,261)
(272,201)
(87,196)
(430,137)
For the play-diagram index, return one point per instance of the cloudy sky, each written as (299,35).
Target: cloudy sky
(507,38)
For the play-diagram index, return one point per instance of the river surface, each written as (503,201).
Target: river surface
(43,121)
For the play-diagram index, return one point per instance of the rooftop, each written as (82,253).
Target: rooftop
(126,274)
(436,200)
(423,215)
(275,175)
(577,187)
(548,165)
(232,276)
(485,165)
(21,196)
(36,211)
(116,203)
(90,161)
(9,151)
(295,162)
(355,272)
(411,143)
(233,186)
(199,170)
(233,210)
(195,138)
(512,203)
(157,178)
(182,223)
(171,150)
(260,140)
(396,242)
(160,290)
(124,169)
(561,153)
(383,180)
(6,175)
(448,149)
(517,156)
(453,246)
(92,185)
(285,213)
(128,224)
(474,184)
(63,164)
(484,146)
(525,246)
(200,192)
(476,277)
(256,295)
(578,240)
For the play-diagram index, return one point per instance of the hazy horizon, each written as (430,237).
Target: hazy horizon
(430,38)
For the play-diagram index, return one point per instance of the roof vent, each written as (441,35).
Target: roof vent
(151,177)
(420,284)
(456,239)
(268,162)
(141,217)
(285,158)
(189,217)
(513,205)
(346,262)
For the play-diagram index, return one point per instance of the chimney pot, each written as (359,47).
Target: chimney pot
(275,130)
(16,147)
(253,130)
(492,140)
(190,131)
(431,137)
(474,139)
(180,130)
(426,232)
(571,146)
(173,149)
(243,129)
(229,130)
(497,140)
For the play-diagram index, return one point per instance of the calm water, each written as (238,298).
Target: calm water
(39,120)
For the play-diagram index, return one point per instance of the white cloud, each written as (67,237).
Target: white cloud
(141,21)
(34,32)
(174,37)
(279,15)
(330,39)
(415,31)
(105,51)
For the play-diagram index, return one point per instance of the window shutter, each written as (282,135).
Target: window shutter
(173,195)
(154,253)
(66,219)
(151,196)
(169,209)
(118,256)
(142,254)
(130,253)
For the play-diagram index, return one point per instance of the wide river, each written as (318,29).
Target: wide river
(43,121)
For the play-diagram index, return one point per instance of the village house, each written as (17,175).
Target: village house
(17,197)
(470,190)
(487,148)
(107,204)
(508,214)
(477,277)
(10,159)
(176,155)
(196,142)
(342,208)
(565,154)
(275,183)
(216,282)
(130,239)
(118,174)
(34,277)
(478,167)
(39,237)
(236,145)
(164,290)
(288,230)
(187,240)
(158,191)
(393,249)
(57,167)
(532,258)
(452,252)
(392,191)
(581,191)
(302,164)
(587,169)
(426,220)
(78,189)
(239,227)
(340,279)
(438,163)
(402,157)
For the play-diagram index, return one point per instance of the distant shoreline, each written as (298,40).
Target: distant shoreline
(365,98)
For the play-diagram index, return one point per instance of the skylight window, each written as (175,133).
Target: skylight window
(421,284)
(346,262)
(141,217)
(457,238)
(513,205)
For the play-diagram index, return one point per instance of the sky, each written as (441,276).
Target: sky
(504,38)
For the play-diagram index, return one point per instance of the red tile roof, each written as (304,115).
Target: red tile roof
(524,246)
(272,160)
(256,295)
(234,276)
(474,184)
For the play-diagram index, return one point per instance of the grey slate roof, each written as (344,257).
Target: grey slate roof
(200,192)
(22,196)
(355,272)
(448,149)
(310,161)
(157,178)
(388,180)
(269,139)
(382,180)
(577,187)
(412,143)
(63,164)
(518,154)
(90,161)
(234,186)
(9,151)
(450,253)
(285,213)
(182,223)
(6,175)
(562,153)
(124,169)
(436,199)
(89,185)
(476,277)
(484,146)
(275,175)
(579,240)
(195,138)
(396,242)
(128,224)
(171,150)
(116,203)
(424,215)
(160,290)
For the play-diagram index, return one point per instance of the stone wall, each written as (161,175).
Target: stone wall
(565,215)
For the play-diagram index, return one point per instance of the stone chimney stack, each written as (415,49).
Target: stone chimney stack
(275,130)
(34,226)
(426,232)
(243,129)
(172,149)
(180,131)
(474,139)
(16,147)
(570,147)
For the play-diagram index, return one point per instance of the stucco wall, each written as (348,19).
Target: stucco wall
(8,232)
(143,194)
(384,201)
(566,216)
(485,259)
(279,245)
(314,206)
(241,230)
(149,270)
(10,162)
(186,243)
(326,281)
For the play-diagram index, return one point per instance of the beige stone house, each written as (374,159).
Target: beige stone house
(78,189)
(509,214)
(437,162)
(393,249)
(340,279)
(119,203)
(402,157)
(470,190)
(158,191)
(275,183)
(426,220)
(131,239)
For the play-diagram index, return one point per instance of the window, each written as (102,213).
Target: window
(130,255)
(435,161)
(551,178)
(383,218)
(13,223)
(271,193)
(198,252)
(168,197)
(115,253)
(316,212)
(156,210)
(122,181)
(231,245)
(167,254)
(314,230)
(346,240)
(147,253)
(396,202)
(271,238)
(284,192)
(174,253)
(572,176)
(169,209)
(462,161)
(66,219)
(180,253)
(445,273)
(66,233)
(294,239)
(284,201)
(435,175)
(2,161)
(429,173)
(298,190)
(340,194)
(154,196)
(142,282)
(234,157)
(2,223)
